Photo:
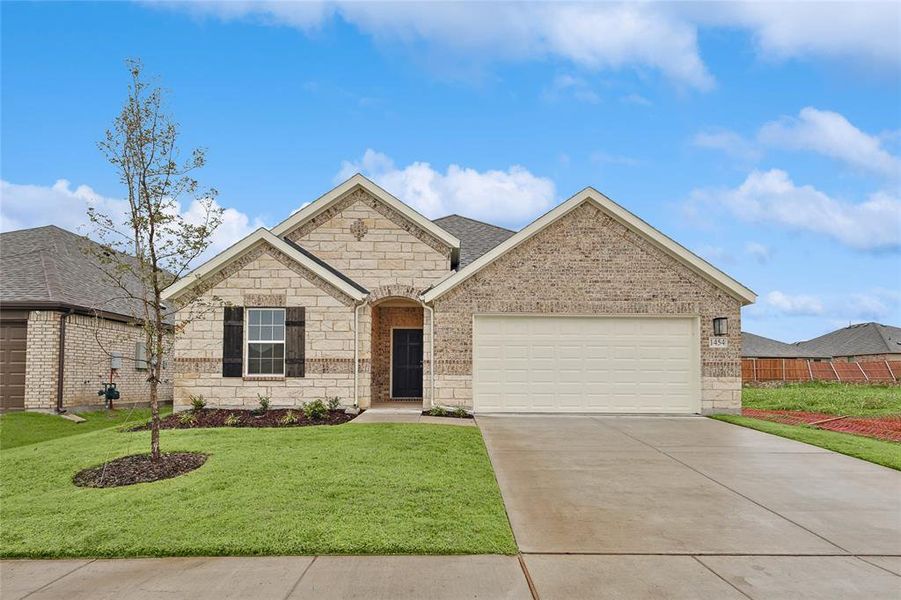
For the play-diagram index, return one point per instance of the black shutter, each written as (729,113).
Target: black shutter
(295,328)
(233,342)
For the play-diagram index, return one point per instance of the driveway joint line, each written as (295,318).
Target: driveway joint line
(723,579)
(296,583)
(886,569)
(687,466)
(525,572)
(49,583)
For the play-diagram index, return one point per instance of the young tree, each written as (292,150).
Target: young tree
(152,243)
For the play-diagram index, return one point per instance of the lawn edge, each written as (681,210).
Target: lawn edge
(796,433)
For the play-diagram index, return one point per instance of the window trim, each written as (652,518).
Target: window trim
(248,341)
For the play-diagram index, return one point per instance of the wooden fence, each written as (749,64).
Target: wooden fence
(799,369)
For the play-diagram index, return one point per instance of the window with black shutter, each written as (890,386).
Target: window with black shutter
(233,342)
(295,329)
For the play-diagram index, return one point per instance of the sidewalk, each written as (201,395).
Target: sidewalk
(265,578)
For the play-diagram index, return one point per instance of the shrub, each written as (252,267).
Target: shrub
(197,403)
(264,402)
(289,418)
(437,411)
(232,420)
(334,403)
(460,412)
(187,418)
(315,409)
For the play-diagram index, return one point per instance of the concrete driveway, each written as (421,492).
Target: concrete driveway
(622,507)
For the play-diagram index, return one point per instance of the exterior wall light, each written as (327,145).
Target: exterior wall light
(720,326)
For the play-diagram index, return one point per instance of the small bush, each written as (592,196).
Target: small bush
(197,403)
(232,420)
(315,409)
(334,403)
(437,411)
(187,418)
(460,412)
(289,418)
(264,403)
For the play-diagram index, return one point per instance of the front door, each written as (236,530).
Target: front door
(406,363)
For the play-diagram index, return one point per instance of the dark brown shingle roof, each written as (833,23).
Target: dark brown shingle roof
(476,238)
(48,265)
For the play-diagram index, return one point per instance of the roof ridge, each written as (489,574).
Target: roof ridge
(459,216)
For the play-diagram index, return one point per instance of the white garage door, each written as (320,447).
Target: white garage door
(585,364)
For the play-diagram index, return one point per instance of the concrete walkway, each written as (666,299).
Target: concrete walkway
(401,413)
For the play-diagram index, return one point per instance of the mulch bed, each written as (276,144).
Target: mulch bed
(138,468)
(449,415)
(215,417)
(880,428)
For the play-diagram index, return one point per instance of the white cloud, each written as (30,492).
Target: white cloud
(831,134)
(569,86)
(727,141)
(873,305)
(24,206)
(794,304)
(758,252)
(772,197)
(636,99)
(511,196)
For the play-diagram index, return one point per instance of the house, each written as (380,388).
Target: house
(54,295)
(356,295)
(863,342)
(757,346)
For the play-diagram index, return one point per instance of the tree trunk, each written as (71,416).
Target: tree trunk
(154,420)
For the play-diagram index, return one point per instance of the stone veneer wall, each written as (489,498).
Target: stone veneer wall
(89,342)
(587,263)
(383,319)
(265,277)
(373,244)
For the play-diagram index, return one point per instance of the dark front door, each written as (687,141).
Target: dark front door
(406,363)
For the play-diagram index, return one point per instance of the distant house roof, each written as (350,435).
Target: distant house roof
(476,238)
(757,346)
(48,267)
(857,340)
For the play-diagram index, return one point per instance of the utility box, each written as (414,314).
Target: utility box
(115,360)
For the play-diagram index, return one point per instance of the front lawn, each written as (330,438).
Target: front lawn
(24,428)
(846,399)
(877,451)
(347,489)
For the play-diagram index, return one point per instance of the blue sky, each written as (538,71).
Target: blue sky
(766,138)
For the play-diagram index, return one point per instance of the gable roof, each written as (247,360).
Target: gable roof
(757,346)
(302,256)
(476,237)
(331,197)
(49,266)
(614,210)
(857,340)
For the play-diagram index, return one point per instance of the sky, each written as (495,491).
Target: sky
(765,137)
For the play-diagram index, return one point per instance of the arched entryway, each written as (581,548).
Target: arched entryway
(398,349)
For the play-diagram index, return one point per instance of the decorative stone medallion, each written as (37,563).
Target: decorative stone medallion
(358,229)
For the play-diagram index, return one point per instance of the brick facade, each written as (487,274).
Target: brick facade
(587,263)
(384,319)
(89,343)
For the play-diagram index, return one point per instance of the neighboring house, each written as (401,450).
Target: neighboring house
(356,295)
(52,295)
(756,346)
(858,343)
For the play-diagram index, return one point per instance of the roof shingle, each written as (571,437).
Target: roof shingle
(857,340)
(476,238)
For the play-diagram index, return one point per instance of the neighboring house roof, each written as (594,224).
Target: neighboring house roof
(49,267)
(476,238)
(614,210)
(857,340)
(305,258)
(757,346)
(325,201)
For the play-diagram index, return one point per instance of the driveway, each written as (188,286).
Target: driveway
(689,507)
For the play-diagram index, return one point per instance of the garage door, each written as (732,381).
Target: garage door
(585,364)
(12,364)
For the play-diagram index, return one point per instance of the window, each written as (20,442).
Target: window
(266,341)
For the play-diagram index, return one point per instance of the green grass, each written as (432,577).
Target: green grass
(24,428)
(830,398)
(880,452)
(348,489)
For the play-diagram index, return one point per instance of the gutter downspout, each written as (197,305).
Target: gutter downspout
(356,354)
(431,352)
(61,366)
